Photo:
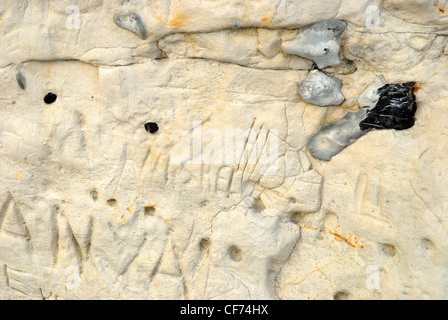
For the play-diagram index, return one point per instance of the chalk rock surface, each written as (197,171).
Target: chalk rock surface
(223,200)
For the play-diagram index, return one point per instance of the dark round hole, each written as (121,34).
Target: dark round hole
(149,210)
(151,127)
(235,253)
(94,194)
(204,244)
(50,98)
(297,217)
(341,295)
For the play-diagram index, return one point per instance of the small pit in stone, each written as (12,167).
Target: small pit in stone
(235,253)
(112,202)
(152,127)
(204,244)
(341,295)
(389,250)
(149,210)
(296,217)
(94,194)
(427,244)
(50,98)
(259,205)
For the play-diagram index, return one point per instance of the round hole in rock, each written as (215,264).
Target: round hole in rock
(388,250)
(235,253)
(149,211)
(427,244)
(259,205)
(341,295)
(50,98)
(94,194)
(152,127)
(296,217)
(204,244)
(112,202)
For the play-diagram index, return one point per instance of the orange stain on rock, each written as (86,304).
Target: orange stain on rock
(442,11)
(178,20)
(418,86)
(308,228)
(351,108)
(267,20)
(19,175)
(320,293)
(353,242)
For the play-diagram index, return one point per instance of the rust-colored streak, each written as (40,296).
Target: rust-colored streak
(267,20)
(354,243)
(442,11)
(417,88)
(178,20)
(308,228)
(350,107)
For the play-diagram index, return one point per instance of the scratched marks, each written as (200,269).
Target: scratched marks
(116,248)
(11,220)
(68,249)
(375,205)
(16,249)
(4,208)
(169,281)
(374,202)
(4,275)
(22,282)
(360,192)
(68,138)
(258,156)
(368,195)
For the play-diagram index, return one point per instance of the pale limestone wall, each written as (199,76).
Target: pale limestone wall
(370,224)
